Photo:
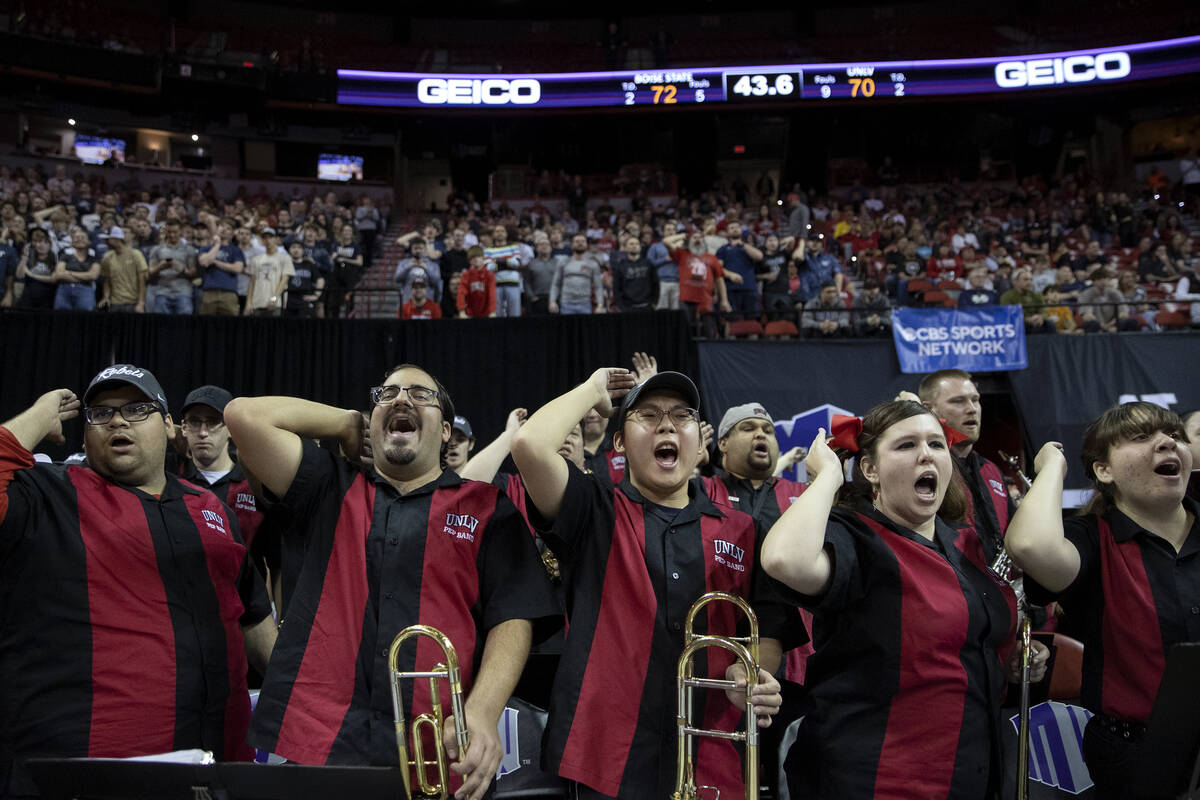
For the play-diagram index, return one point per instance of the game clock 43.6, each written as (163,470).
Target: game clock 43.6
(759,86)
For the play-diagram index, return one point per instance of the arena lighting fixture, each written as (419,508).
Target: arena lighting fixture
(71,122)
(860,82)
(195,137)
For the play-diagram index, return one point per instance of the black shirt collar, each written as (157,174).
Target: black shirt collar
(1124,529)
(448,478)
(698,501)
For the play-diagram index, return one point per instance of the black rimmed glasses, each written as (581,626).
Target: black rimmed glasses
(419,395)
(130,412)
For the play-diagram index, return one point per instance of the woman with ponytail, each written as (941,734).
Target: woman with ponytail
(910,627)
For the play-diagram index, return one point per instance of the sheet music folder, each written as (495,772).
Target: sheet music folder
(108,779)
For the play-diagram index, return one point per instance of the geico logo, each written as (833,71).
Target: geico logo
(470,92)
(1073,69)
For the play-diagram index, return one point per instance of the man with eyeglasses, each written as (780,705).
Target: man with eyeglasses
(634,559)
(403,543)
(130,606)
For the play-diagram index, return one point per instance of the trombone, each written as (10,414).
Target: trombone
(434,719)
(745,650)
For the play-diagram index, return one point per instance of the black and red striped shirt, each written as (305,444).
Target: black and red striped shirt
(905,683)
(452,554)
(989,507)
(1135,597)
(632,570)
(236,492)
(122,614)
(766,503)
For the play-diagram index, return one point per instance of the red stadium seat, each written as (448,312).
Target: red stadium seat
(745,328)
(1172,320)
(919,285)
(950,285)
(782,329)
(1066,679)
(938,299)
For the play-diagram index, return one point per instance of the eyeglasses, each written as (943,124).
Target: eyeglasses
(131,412)
(419,395)
(195,424)
(651,417)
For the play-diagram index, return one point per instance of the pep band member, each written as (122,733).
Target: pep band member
(1128,567)
(634,559)
(406,542)
(909,632)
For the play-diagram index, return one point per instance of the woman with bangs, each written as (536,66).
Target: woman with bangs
(1128,566)
(910,627)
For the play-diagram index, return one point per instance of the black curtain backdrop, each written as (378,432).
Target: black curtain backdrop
(490,366)
(1069,382)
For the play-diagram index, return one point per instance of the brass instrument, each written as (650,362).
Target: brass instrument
(745,650)
(1026,640)
(434,719)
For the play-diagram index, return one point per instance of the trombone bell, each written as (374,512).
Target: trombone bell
(433,720)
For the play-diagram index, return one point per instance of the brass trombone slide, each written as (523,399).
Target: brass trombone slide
(745,650)
(434,719)
(1025,639)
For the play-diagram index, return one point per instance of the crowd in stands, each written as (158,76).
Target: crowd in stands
(739,261)
(71,243)
(1076,258)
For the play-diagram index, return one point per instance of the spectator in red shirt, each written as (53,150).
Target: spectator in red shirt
(420,306)
(700,273)
(477,288)
(944,266)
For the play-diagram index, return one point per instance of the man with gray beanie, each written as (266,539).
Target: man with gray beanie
(113,572)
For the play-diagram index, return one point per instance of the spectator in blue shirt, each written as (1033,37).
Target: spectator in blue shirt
(668,272)
(222,263)
(819,268)
(977,293)
(741,257)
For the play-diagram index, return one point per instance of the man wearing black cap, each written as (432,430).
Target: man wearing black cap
(127,592)
(403,543)
(210,464)
(462,442)
(634,559)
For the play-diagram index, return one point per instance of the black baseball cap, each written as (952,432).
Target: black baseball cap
(118,374)
(212,396)
(663,381)
(461,425)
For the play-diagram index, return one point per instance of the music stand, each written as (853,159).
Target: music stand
(109,779)
(1170,746)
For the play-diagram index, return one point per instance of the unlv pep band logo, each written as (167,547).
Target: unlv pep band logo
(456,522)
(245,502)
(727,553)
(214,521)
(997,486)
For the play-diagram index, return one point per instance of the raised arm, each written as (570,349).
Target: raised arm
(268,433)
(535,445)
(44,419)
(794,550)
(1035,537)
(484,465)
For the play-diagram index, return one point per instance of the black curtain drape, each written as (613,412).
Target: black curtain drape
(490,366)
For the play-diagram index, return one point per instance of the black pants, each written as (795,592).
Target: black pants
(1113,761)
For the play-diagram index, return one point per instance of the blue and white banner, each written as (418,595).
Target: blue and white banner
(1056,745)
(987,339)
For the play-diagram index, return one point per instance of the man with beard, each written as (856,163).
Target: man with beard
(113,572)
(404,543)
(749,454)
(577,287)
(952,396)
(635,280)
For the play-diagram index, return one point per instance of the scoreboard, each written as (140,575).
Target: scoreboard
(773,85)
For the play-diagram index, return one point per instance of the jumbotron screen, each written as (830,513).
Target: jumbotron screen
(777,84)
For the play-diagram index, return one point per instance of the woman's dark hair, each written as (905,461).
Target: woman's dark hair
(1119,423)
(875,423)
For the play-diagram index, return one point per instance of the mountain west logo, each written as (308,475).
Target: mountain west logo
(461,526)
(214,521)
(729,554)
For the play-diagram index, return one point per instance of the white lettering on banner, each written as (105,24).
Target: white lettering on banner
(960,348)
(474,92)
(1164,399)
(1072,69)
